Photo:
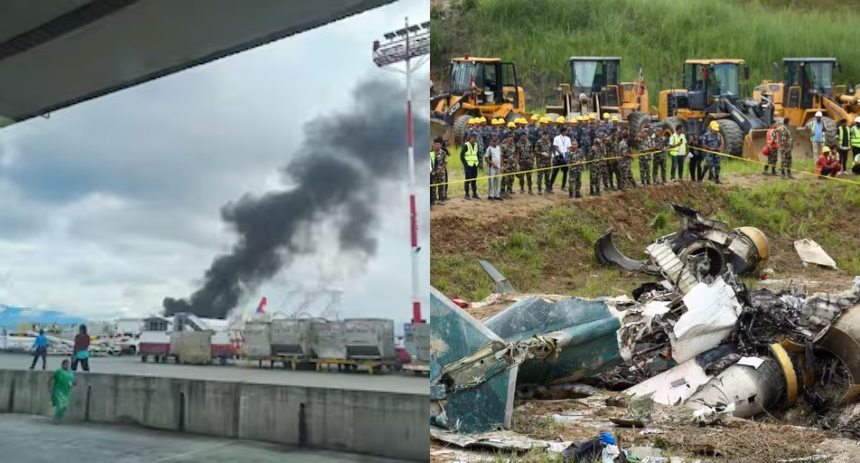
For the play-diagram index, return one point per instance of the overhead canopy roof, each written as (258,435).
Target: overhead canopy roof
(55,53)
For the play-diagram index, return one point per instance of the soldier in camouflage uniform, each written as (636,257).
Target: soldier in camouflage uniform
(525,162)
(646,143)
(437,175)
(576,159)
(509,159)
(785,144)
(661,141)
(610,164)
(593,157)
(625,164)
(543,156)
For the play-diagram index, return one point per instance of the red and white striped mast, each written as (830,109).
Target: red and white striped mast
(403,45)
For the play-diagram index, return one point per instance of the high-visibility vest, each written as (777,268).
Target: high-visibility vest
(844,132)
(855,136)
(680,140)
(471,154)
(771,139)
(812,134)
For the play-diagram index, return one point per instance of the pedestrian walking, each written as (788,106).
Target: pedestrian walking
(81,350)
(493,160)
(560,144)
(469,158)
(713,142)
(40,349)
(61,383)
(678,152)
(785,145)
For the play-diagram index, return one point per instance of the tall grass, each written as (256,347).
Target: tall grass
(656,35)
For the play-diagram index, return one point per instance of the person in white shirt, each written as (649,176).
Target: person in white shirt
(493,160)
(560,145)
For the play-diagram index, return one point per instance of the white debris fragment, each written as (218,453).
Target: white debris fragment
(811,253)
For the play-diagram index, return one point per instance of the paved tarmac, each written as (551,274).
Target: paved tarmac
(245,372)
(34,439)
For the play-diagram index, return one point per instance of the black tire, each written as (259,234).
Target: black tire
(636,120)
(460,125)
(222,360)
(132,350)
(143,358)
(830,132)
(671,122)
(733,138)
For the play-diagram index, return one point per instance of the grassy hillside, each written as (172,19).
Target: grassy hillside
(550,249)
(657,35)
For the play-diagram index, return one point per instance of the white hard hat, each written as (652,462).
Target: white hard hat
(817,113)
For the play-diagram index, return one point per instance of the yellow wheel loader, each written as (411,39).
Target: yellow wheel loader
(807,88)
(594,89)
(712,92)
(478,87)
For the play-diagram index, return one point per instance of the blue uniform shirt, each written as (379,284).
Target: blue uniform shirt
(41,342)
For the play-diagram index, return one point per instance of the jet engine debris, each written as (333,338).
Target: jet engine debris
(706,247)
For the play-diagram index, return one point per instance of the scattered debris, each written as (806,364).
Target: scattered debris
(705,247)
(503,286)
(811,253)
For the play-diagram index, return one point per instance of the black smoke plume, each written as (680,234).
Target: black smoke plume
(336,175)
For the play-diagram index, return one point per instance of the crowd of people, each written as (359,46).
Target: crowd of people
(533,154)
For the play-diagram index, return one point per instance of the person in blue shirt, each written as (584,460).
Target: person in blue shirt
(817,137)
(40,349)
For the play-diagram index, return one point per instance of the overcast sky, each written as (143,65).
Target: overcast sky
(109,206)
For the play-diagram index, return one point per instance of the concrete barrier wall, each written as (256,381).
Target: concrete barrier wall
(377,423)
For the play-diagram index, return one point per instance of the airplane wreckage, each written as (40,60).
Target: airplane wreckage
(698,339)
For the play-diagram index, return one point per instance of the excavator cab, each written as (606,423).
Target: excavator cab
(477,87)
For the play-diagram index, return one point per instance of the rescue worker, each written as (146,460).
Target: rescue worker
(661,141)
(625,163)
(678,152)
(843,141)
(543,155)
(509,160)
(469,158)
(433,178)
(713,142)
(441,171)
(785,145)
(560,146)
(493,158)
(855,137)
(576,158)
(594,174)
(645,142)
(773,145)
(827,165)
(697,157)
(525,161)
(817,134)
(610,155)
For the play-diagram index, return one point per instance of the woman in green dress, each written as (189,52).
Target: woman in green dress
(61,390)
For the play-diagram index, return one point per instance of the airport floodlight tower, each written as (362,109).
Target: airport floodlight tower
(404,45)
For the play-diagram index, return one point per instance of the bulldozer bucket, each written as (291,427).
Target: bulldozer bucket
(754,142)
(438,128)
(802,142)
